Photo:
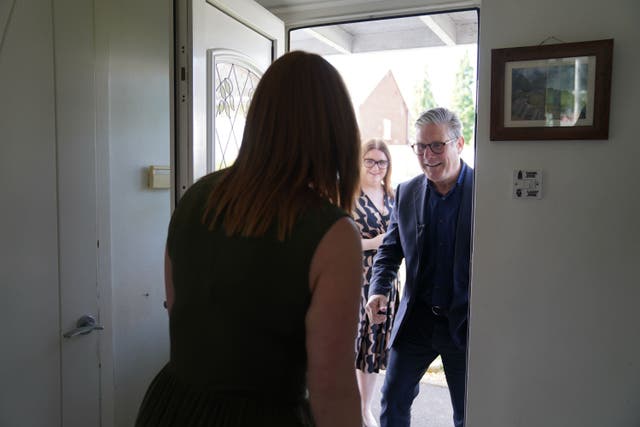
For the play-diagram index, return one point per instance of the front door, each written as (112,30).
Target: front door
(222,49)
(48,220)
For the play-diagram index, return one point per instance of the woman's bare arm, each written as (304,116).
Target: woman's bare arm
(372,243)
(331,323)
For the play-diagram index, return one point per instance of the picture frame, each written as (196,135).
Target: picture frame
(551,92)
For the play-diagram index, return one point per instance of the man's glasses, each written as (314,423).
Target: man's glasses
(436,147)
(369,163)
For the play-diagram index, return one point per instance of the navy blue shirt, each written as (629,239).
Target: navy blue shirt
(441,222)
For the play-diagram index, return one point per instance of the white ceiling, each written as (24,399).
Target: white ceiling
(431,30)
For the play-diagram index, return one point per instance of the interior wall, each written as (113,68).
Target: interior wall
(553,338)
(140,63)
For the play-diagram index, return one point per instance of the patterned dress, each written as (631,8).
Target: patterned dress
(372,342)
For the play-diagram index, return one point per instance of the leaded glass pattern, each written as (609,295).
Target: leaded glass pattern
(234,82)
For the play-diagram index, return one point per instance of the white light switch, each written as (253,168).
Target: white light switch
(527,184)
(159,177)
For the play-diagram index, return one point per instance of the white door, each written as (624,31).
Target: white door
(223,48)
(48,220)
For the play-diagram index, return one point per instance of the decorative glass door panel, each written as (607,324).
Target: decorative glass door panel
(231,80)
(217,41)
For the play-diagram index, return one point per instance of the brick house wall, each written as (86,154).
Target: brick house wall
(384,113)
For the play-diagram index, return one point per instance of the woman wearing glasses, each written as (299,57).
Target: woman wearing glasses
(372,213)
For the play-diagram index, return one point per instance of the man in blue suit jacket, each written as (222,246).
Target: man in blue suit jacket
(430,228)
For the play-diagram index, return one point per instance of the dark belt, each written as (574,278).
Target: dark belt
(439,311)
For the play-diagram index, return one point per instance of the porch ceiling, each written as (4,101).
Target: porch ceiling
(442,29)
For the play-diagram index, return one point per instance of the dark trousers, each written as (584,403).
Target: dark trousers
(411,354)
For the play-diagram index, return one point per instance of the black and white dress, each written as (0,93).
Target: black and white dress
(372,342)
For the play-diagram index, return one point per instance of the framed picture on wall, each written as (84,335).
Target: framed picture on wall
(558,91)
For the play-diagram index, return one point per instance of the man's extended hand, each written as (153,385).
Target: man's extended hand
(377,308)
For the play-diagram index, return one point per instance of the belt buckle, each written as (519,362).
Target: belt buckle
(438,311)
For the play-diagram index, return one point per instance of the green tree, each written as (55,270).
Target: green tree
(424,96)
(463,97)
(424,100)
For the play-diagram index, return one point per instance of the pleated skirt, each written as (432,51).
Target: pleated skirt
(172,402)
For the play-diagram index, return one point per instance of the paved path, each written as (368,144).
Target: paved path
(432,407)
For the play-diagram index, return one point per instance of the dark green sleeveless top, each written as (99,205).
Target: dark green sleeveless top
(237,325)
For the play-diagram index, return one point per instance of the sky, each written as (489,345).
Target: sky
(363,71)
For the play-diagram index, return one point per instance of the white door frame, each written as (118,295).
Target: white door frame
(248,13)
(103,190)
(78,116)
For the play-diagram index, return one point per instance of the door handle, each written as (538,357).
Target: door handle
(85,325)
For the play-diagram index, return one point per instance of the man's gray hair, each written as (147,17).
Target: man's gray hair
(438,116)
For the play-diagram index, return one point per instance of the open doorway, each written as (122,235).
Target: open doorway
(395,69)
(398,67)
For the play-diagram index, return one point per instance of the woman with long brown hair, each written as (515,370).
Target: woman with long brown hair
(263,268)
(372,213)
